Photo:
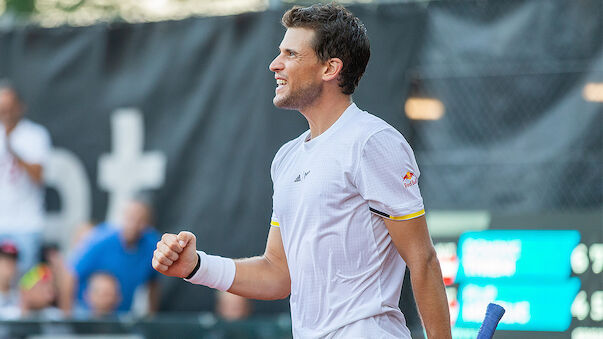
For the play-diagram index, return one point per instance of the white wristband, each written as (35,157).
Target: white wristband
(214,271)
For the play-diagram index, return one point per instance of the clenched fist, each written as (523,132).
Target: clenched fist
(176,255)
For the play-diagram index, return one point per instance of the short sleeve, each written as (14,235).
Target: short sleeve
(388,176)
(274,220)
(273,175)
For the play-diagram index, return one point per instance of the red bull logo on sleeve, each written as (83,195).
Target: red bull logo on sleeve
(409,179)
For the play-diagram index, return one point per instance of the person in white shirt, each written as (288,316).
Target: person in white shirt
(24,150)
(347,216)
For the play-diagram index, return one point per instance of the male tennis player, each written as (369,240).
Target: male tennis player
(347,212)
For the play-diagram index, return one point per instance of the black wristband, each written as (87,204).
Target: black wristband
(196,267)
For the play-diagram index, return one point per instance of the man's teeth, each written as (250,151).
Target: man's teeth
(280,82)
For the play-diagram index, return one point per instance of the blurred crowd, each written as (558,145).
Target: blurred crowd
(109,263)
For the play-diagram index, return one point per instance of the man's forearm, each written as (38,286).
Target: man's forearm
(430,294)
(265,277)
(258,278)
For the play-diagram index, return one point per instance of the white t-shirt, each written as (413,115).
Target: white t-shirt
(330,195)
(21,199)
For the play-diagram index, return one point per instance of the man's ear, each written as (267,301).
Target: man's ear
(332,69)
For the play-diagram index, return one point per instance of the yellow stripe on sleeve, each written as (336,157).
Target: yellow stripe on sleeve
(274,223)
(409,216)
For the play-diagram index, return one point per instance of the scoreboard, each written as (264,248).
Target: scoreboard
(549,281)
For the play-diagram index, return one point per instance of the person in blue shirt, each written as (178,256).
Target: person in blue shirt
(124,251)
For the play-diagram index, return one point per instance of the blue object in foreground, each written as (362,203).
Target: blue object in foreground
(493,314)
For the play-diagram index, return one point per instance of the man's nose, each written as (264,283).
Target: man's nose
(276,64)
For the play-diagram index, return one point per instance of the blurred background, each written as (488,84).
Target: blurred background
(502,102)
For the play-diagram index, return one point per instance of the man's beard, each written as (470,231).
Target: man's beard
(300,98)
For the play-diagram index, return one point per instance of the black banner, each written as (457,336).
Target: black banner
(184,108)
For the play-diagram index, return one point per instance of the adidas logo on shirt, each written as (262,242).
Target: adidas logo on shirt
(301,176)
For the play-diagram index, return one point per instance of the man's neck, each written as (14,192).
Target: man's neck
(325,111)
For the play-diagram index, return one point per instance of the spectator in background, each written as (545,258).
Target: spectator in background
(102,295)
(36,294)
(125,251)
(232,307)
(24,149)
(9,297)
